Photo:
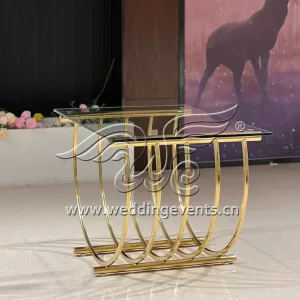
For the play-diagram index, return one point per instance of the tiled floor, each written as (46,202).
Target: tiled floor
(37,237)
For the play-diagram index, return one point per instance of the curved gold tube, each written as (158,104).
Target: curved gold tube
(176,175)
(75,142)
(243,205)
(175,170)
(120,245)
(157,195)
(202,242)
(154,194)
(151,180)
(212,225)
(187,155)
(174,245)
(101,184)
(147,246)
(128,193)
(103,197)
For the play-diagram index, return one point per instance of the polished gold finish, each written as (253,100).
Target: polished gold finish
(133,247)
(169,253)
(191,140)
(167,265)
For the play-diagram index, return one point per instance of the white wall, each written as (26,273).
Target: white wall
(28,156)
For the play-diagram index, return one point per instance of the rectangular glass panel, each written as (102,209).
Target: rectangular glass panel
(192,122)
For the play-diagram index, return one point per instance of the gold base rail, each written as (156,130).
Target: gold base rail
(167,265)
(133,247)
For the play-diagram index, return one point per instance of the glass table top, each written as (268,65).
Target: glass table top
(123,123)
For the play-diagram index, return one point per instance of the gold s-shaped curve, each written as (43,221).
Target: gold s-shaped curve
(243,209)
(120,245)
(157,195)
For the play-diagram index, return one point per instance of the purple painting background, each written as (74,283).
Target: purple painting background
(282,115)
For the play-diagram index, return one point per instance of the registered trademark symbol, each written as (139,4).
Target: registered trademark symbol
(240,126)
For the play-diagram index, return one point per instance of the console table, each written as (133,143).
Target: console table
(189,127)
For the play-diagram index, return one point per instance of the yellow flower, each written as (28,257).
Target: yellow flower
(38,117)
(3,132)
(11,118)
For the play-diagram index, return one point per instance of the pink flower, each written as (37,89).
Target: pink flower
(26,114)
(39,125)
(12,125)
(20,123)
(31,123)
(3,120)
(83,108)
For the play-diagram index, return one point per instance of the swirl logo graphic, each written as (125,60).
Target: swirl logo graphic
(113,143)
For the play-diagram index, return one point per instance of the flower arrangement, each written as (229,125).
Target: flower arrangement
(83,108)
(91,105)
(9,121)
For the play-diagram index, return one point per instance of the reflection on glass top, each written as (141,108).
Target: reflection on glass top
(103,110)
(129,123)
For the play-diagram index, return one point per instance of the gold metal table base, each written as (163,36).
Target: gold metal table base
(178,253)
